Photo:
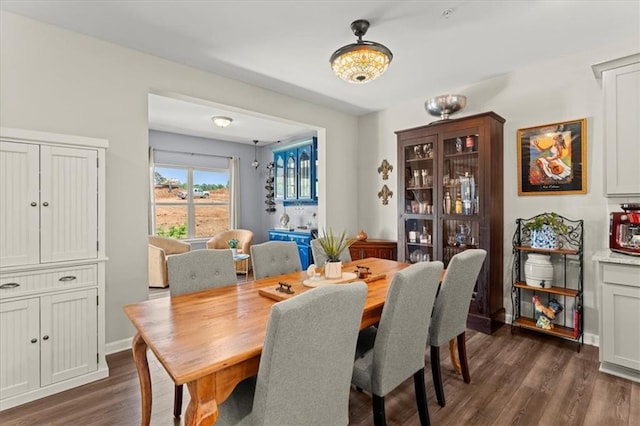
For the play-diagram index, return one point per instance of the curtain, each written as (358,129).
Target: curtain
(234,193)
(152,197)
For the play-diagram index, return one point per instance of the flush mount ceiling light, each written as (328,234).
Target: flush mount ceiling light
(361,61)
(221,121)
(255,163)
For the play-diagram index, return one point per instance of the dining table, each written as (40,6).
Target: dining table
(211,340)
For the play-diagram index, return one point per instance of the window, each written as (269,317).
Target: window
(190,202)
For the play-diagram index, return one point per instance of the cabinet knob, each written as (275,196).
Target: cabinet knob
(34,340)
(33,204)
(45,204)
(45,337)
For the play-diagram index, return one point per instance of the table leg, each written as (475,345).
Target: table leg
(139,347)
(454,356)
(202,409)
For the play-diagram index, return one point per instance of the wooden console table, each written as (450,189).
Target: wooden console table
(382,249)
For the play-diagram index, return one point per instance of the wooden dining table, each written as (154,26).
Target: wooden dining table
(211,340)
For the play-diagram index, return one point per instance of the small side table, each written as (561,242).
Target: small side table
(242,257)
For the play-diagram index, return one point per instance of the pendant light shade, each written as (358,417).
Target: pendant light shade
(361,61)
(255,163)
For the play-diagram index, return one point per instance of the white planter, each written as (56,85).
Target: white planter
(234,251)
(333,270)
(538,270)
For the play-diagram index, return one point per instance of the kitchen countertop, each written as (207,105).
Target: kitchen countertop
(299,230)
(609,256)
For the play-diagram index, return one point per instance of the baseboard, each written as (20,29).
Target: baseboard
(589,338)
(620,371)
(118,346)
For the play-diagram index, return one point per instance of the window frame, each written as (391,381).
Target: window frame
(190,204)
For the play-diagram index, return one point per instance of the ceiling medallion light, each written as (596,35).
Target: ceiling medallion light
(255,163)
(361,61)
(221,121)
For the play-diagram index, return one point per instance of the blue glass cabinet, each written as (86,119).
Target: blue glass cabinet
(296,172)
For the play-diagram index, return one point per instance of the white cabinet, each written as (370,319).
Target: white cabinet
(52,264)
(47,340)
(621,85)
(19,324)
(620,316)
(50,213)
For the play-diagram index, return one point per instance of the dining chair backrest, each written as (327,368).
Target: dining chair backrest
(275,258)
(398,350)
(452,304)
(200,269)
(305,367)
(320,257)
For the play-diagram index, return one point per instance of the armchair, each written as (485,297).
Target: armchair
(245,240)
(159,249)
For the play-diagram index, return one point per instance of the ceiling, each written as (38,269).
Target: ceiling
(285,46)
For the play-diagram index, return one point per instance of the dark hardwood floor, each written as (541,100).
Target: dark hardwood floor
(519,379)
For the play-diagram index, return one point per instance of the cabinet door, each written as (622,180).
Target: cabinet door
(278,166)
(622,127)
(68,335)
(291,175)
(20,204)
(621,316)
(461,171)
(314,169)
(304,251)
(20,345)
(305,173)
(418,173)
(69,210)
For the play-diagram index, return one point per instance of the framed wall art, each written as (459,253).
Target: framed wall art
(552,159)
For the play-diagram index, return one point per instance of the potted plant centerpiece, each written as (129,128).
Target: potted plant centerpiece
(545,229)
(233,245)
(333,247)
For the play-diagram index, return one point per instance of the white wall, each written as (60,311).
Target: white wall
(547,93)
(58,81)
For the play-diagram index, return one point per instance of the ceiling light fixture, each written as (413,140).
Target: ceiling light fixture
(255,163)
(221,121)
(362,61)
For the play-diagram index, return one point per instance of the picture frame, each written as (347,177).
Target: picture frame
(552,158)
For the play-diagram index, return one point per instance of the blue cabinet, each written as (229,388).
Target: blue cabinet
(278,171)
(302,239)
(296,172)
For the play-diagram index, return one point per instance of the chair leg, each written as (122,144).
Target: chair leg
(379,418)
(462,354)
(177,401)
(421,397)
(437,377)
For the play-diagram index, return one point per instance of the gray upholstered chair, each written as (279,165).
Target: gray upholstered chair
(305,366)
(275,258)
(319,256)
(198,270)
(394,351)
(201,269)
(449,318)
